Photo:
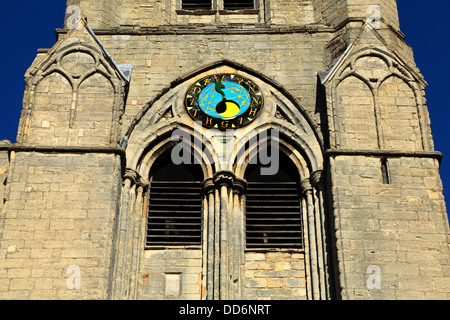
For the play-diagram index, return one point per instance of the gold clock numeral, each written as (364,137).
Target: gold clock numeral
(196,90)
(252,112)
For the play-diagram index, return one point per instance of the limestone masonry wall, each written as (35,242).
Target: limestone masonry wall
(349,103)
(399,227)
(275,275)
(60,213)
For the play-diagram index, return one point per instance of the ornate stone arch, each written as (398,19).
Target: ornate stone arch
(302,154)
(282,111)
(76,57)
(374,77)
(166,139)
(151,133)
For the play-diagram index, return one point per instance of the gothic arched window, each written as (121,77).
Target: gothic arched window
(174,215)
(273,208)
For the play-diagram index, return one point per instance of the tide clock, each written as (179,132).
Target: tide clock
(224,101)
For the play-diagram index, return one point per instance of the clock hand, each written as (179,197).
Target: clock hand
(219,86)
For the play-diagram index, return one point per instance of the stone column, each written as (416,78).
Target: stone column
(127,255)
(318,183)
(138,239)
(237,227)
(315,245)
(209,246)
(310,228)
(306,248)
(224,223)
(121,233)
(223,181)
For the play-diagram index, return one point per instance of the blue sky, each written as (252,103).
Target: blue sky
(29,25)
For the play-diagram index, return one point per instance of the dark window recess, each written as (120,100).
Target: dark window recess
(175,213)
(273,215)
(175,205)
(196,4)
(273,209)
(385,171)
(238,5)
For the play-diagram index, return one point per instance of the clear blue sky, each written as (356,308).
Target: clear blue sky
(28,25)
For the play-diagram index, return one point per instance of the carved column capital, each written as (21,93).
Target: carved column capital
(224,178)
(240,186)
(208,186)
(306,187)
(131,175)
(317,178)
(143,183)
(135,178)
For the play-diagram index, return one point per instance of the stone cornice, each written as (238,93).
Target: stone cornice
(209,29)
(384,153)
(69,149)
(235,28)
(63,149)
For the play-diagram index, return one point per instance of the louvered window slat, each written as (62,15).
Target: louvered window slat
(273,216)
(174,214)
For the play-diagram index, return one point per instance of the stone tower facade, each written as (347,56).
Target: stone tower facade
(96,204)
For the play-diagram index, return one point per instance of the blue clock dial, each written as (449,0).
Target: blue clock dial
(224,101)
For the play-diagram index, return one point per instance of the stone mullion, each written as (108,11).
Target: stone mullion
(238,243)
(306,247)
(230,242)
(26,127)
(235,240)
(138,239)
(73,108)
(205,246)
(421,114)
(224,242)
(377,114)
(216,243)
(319,188)
(224,237)
(211,251)
(209,246)
(241,232)
(135,244)
(320,262)
(309,204)
(322,190)
(142,242)
(121,234)
(127,249)
(219,247)
(140,245)
(118,106)
(130,237)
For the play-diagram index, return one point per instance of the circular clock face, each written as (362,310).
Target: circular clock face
(224,101)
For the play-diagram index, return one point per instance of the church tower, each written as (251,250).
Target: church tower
(221,149)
